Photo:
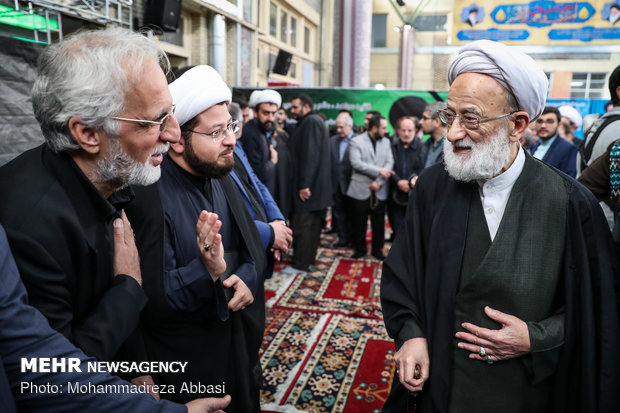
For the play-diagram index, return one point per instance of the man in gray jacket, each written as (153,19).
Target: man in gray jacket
(372,161)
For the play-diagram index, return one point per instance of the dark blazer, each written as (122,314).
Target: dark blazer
(310,150)
(60,231)
(24,332)
(408,163)
(412,158)
(271,208)
(428,144)
(341,170)
(562,155)
(257,150)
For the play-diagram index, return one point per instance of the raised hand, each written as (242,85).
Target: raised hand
(126,259)
(209,242)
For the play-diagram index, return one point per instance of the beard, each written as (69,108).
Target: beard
(267,126)
(207,169)
(486,160)
(118,169)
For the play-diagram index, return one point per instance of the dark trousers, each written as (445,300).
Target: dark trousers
(396,215)
(340,216)
(359,222)
(306,228)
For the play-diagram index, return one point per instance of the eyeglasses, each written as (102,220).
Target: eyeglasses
(468,120)
(163,122)
(220,134)
(550,121)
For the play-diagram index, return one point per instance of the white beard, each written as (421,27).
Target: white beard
(118,167)
(486,160)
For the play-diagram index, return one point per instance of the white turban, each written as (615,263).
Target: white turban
(196,91)
(264,96)
(514,70)
(571,114)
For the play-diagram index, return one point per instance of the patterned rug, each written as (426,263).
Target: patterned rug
(325,347)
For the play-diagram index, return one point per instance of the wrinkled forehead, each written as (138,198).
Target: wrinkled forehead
(476,89)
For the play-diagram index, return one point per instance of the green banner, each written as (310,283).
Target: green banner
(391,103)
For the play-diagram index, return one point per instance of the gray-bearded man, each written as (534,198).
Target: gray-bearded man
(503,310)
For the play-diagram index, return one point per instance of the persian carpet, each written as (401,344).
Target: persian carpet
(325,347)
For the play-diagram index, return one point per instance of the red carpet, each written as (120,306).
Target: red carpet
(325,347)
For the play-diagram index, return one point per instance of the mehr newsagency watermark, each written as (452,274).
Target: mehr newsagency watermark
(69,365)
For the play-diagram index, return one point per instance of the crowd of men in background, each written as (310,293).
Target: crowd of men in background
(367,172)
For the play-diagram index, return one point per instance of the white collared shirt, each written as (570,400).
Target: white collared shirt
(494,193)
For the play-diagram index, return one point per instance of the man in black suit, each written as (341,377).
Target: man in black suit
(341,176)
(106,123)
(312,191)
(408,153)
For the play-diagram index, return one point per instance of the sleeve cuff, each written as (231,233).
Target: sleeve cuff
(272,237)
(546,344)
(410,330)
(133,288)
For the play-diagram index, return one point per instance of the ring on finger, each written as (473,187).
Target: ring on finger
(482,352)
(489,360)
(206,246)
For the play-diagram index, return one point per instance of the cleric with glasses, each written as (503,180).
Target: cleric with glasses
(220,134)
(493,307)
(468,120)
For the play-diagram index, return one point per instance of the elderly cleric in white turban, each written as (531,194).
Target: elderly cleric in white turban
(514,70)
(196,91)
(264,96)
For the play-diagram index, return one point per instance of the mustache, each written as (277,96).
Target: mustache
(463,143)
(161,149)
(226,152)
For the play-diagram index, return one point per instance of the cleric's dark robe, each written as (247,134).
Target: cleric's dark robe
(284,174)
(218,350)
(517,273)
(422,273)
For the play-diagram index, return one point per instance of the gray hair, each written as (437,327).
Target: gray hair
(235,111)
(87,76)
(348,120)
(435,107)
